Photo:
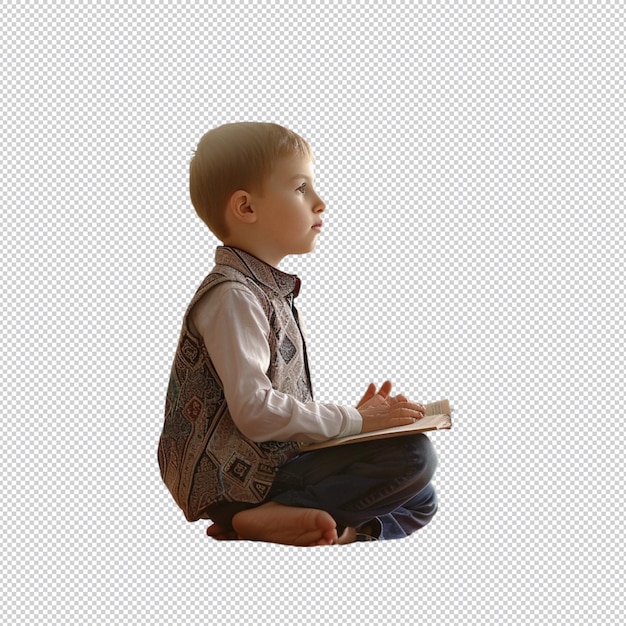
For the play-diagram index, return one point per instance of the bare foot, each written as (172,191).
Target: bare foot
(288,525)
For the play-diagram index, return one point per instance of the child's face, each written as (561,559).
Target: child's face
(288,210)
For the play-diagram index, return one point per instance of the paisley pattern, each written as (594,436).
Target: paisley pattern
(203,458)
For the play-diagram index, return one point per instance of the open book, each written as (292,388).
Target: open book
(438,417)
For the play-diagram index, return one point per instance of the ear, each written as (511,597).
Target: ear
(240,207)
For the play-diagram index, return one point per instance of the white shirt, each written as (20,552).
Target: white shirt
(235,330)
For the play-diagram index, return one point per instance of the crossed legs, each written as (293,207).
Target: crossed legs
(323,497)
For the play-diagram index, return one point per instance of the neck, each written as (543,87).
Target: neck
(256,250)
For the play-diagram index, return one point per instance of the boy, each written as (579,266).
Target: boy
(239,402)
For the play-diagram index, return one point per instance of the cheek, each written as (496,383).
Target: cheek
(304,219)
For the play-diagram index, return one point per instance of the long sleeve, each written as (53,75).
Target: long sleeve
(235,331)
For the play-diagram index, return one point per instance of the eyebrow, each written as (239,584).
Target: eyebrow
(301,176)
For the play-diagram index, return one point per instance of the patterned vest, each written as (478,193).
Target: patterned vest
(203,458)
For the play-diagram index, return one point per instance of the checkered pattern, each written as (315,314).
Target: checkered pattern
(472,159)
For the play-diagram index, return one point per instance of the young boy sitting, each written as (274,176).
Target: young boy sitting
(240,403)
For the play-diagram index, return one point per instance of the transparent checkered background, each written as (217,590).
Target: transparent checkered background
(472,158)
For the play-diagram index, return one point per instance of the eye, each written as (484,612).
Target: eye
(302,188)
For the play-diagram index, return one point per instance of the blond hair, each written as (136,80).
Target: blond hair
(236,156)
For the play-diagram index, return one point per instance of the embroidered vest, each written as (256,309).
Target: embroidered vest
(203,458)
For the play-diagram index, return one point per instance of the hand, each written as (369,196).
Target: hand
(217,532)
(375,398)
(380,410)
(371,394)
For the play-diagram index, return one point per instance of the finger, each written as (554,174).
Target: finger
(217,532)
(407,410)
(214,529)
(407,404)
(368,395)
(399,409)
(385,388)
(396,399)
(402,421)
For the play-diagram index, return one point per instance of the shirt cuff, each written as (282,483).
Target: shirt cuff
(353,423)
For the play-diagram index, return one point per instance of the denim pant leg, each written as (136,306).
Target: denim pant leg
(412,516)
(359,482)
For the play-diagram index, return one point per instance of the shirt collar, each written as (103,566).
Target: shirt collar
(280,283)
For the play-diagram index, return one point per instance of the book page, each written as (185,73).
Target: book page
(442,407)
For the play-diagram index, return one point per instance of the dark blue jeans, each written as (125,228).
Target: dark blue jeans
(381,487)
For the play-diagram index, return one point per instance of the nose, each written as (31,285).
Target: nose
(320,205)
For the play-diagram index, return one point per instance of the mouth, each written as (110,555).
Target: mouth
(317,226)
